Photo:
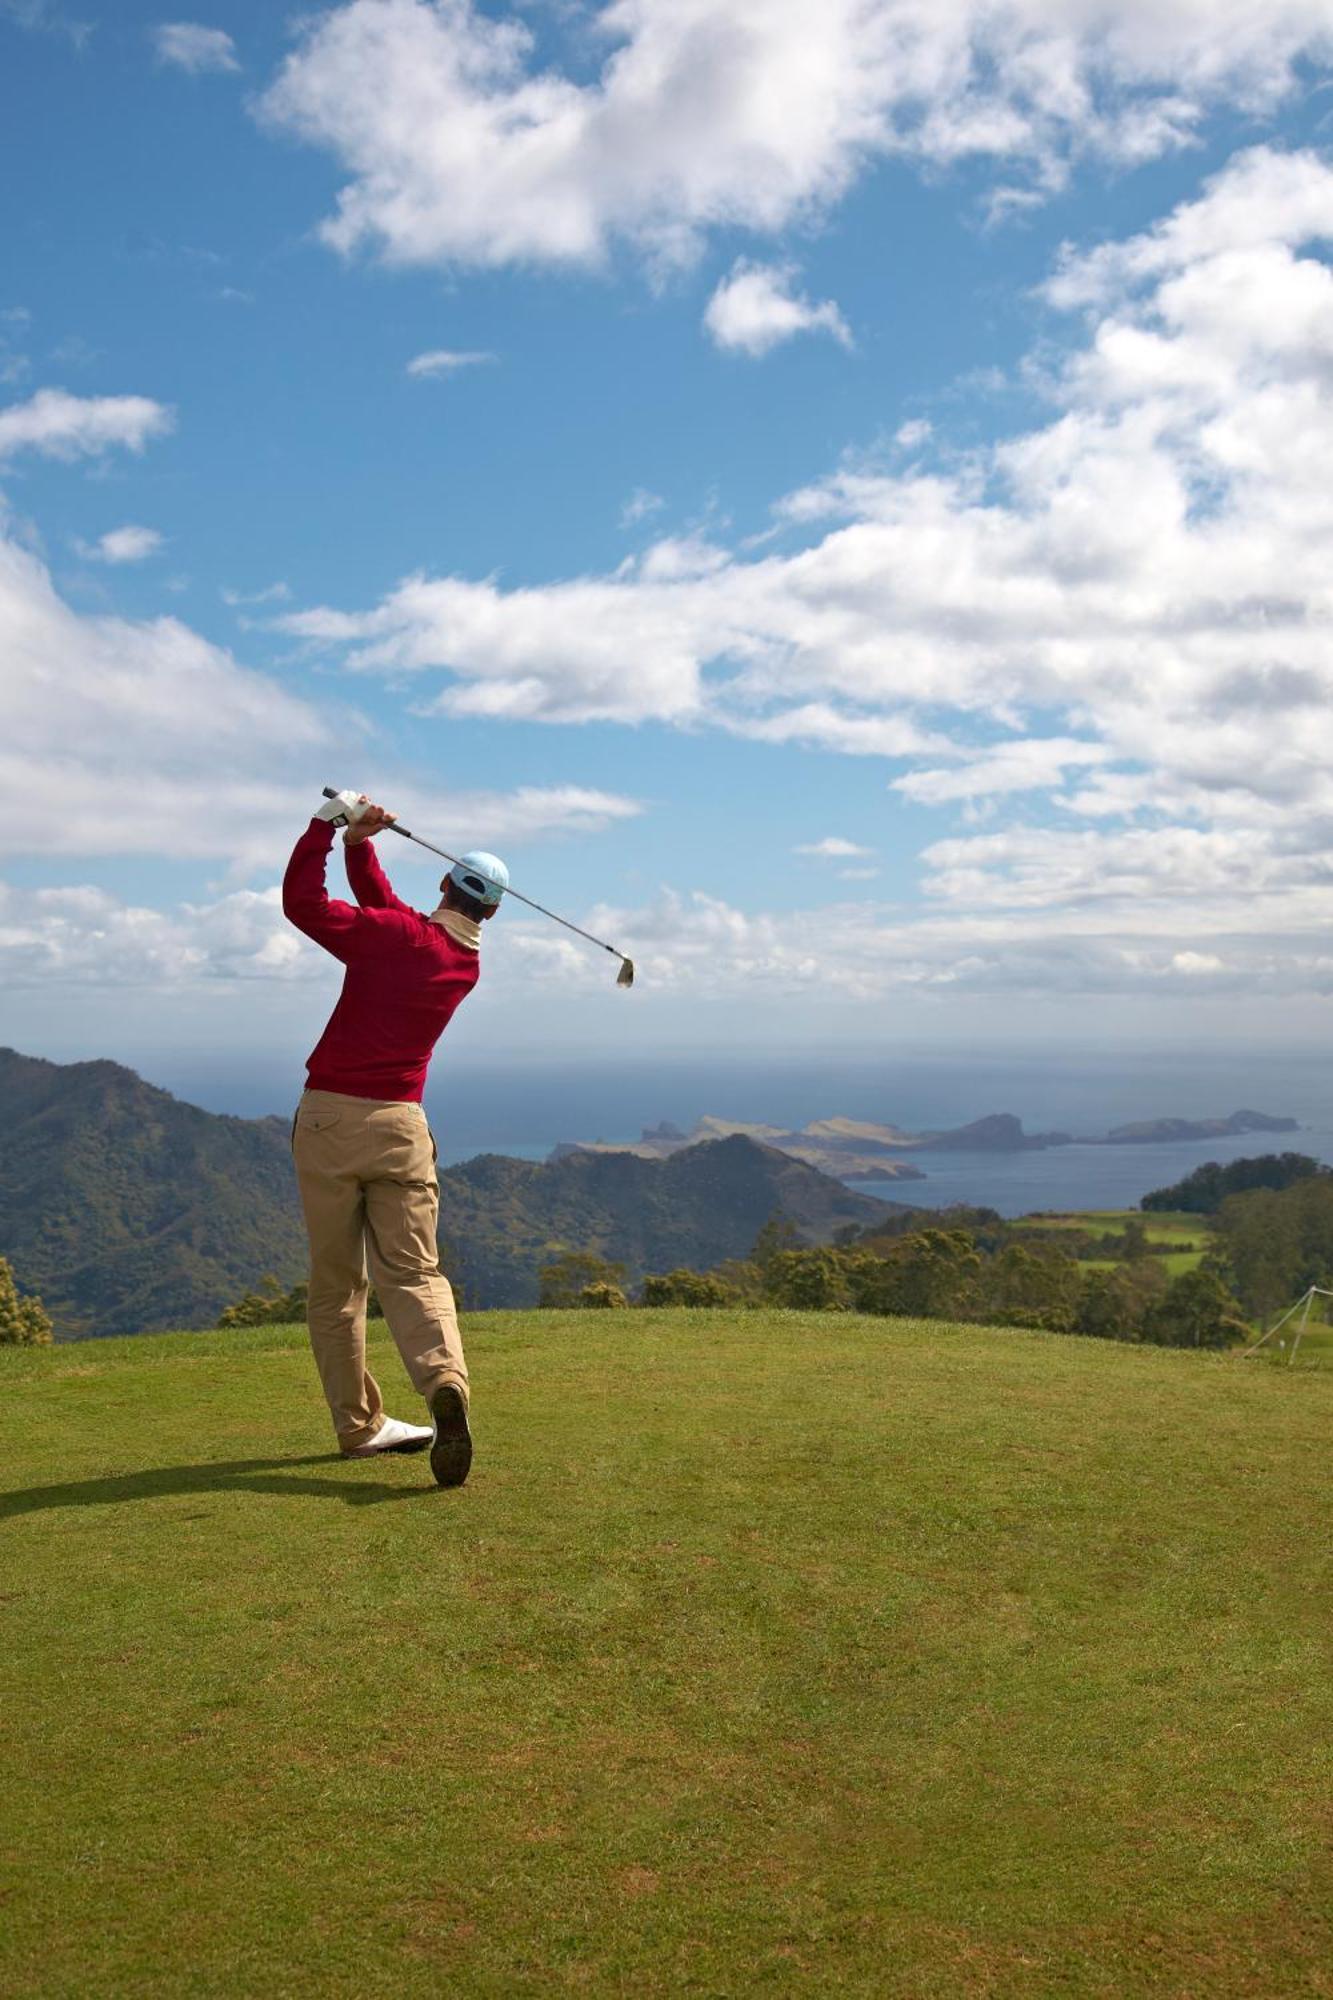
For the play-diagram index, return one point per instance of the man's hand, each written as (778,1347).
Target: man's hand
(372,820)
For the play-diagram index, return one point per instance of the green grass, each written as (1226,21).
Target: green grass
(762,1654)
(1189,1232)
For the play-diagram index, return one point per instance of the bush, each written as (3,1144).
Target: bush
(269,1306)
(808,1280)
(608,1297)
(688,1288)
(931,1274)
(23,1322)
(567,1277)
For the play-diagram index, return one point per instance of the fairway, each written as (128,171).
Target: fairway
(762,1653)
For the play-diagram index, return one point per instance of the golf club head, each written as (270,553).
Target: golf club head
(625,976)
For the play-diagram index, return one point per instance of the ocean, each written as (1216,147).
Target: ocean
(525,1107)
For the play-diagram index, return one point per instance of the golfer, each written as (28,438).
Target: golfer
(365,1158)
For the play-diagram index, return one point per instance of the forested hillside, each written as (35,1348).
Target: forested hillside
(128,1210)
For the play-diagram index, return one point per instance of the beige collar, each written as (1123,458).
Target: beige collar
(463,930)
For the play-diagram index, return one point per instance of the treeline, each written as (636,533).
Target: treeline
(1204,1191)
(1262,1249)
(1273,1244)
(952,1273)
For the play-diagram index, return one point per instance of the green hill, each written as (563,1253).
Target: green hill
(762,1653)
(128,1210)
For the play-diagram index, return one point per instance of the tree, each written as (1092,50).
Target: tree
(779,1233)
(565,1278)
(269,1306)
(1022,1287)
(1273,1245)
(807,1280)
(1197,1310)
(1204,1191)
(931,1274)
(1134,1241)
(1115,1304)
(688,1288)
(23,1322)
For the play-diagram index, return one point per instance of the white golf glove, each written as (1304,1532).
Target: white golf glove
(344,809)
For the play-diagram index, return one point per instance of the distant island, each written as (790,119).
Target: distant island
(852,1149)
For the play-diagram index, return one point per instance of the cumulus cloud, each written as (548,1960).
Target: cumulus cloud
(1117,621)
(59,425)
(122,545)
(140,737)
(755,309)
(461,147)
(834,848)
(444,361)
(193,48)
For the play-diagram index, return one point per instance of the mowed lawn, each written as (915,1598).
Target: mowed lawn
(764,1653)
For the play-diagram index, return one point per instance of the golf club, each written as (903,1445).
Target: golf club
(625,977)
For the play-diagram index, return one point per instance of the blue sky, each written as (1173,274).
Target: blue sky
(901,431)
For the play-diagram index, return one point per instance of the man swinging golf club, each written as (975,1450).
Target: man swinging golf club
(365,1158)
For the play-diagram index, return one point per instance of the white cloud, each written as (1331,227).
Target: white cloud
(44,15)
(194,48)
(1117,622)
(140,737)
(444,361)
(122,545)
(834,849)
(1035,764)
(461,148)
(59,425)
(273,593)
(755,309)
(639,506)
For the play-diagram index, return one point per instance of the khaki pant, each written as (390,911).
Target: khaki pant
(366,1171)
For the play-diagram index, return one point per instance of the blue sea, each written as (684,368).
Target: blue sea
(526,1107)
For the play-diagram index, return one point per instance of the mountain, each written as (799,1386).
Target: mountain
(1000,1133)
(849,1148)
(128,1210)
(852,1149)
(1155,1131)
(502,1218)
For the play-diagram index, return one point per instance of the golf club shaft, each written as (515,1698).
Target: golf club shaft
(516,893)
(541,908)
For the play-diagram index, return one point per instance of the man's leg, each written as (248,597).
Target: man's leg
(328,1146)
(402,1199)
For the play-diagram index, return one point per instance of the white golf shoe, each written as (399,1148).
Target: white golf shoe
(393,1436)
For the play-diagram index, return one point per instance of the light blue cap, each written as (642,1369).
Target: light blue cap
(482,876)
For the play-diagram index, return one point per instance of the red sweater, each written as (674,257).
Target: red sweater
(405,975)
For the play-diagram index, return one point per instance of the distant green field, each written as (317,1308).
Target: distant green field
(767,1653)
(1190,1232)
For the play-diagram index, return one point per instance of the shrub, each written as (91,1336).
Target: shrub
(605,1296)
(23,1322)
(688,1288)
(809,1280)
(931,1274)
(269,1306)
(564,1280)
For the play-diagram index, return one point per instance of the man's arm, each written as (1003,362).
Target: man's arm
(342,929)
(370,884)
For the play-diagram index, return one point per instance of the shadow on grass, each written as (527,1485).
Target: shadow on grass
(245,1475)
